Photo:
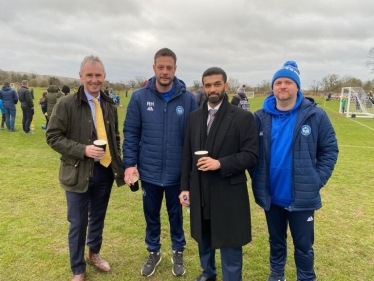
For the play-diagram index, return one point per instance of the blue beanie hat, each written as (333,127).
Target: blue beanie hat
(289,70)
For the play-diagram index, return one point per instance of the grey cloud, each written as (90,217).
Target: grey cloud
(249,39)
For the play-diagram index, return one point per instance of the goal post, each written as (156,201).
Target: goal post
(354,102)
(250,95)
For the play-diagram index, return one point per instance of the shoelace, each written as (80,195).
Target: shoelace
(178,258)
(151,259)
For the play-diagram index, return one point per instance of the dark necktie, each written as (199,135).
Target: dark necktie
(212,114)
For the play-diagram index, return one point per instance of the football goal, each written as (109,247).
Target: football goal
(250,95)
(357,103)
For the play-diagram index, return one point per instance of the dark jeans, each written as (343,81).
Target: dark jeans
(10,115)
(152,201)
(302,232)
(88,209)
(28,113)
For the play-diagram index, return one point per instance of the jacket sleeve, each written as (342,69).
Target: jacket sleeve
(132,132)
(327,149)
(15,97)
(235,101)
(194,105)
(57,133)
(28,97)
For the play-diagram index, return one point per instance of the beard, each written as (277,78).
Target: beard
(163,83)
(215,99)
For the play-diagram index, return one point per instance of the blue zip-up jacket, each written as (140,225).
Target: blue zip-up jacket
(314,154)
(9,97)
(283,123)
(154,132)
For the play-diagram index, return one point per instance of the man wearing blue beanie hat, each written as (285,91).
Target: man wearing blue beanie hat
(289,70)
(298,152)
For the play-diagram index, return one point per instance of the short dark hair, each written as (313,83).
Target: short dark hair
(6,84)
(165,52)
(214,71)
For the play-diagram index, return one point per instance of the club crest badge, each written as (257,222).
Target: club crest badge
(306,130)
(179,110)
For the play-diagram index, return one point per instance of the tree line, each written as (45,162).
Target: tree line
(331,83)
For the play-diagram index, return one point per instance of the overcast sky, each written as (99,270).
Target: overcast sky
(249,39)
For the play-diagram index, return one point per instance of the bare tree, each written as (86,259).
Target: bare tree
(196,85)
(34,82)
(350,81)
(331,83)
(264,87)
(4,76)
(139,81)
(368,85)
(370,62)
(131,84)
(315,87)
(233,85)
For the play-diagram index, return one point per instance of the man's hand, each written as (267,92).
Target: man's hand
(94,152)
(128,174)
(184,198)
(208,164)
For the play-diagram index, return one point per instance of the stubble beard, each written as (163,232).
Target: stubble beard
(162,84)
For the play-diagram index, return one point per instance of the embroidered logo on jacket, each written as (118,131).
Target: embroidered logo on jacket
(306,130)
(150,105)
(179,110)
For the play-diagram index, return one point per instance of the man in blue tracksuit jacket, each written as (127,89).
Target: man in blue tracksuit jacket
(152,150)
(298,151)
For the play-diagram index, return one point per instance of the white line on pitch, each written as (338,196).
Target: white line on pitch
(355,146)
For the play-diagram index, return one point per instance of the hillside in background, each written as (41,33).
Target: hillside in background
(37,80)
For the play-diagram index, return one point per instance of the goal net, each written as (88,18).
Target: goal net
(354,102)
(250,95)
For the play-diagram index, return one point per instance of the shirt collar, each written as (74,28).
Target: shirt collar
(217,106)
(90,97)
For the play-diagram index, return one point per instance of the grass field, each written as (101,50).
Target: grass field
(33,225)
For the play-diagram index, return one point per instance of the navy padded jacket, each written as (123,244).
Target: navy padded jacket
(315,152)
(154,132)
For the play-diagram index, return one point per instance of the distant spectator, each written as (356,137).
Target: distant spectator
(3,117)
(27,105)
(344,102)
(43,104)
(65,90)
(371,97)
(144,83)
(358,106)
(200,97)
(10,99)
(240,99)
(114,97)
(52,96)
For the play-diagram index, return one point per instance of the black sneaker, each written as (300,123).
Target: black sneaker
(150,264)
(178,266)
(274,277)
